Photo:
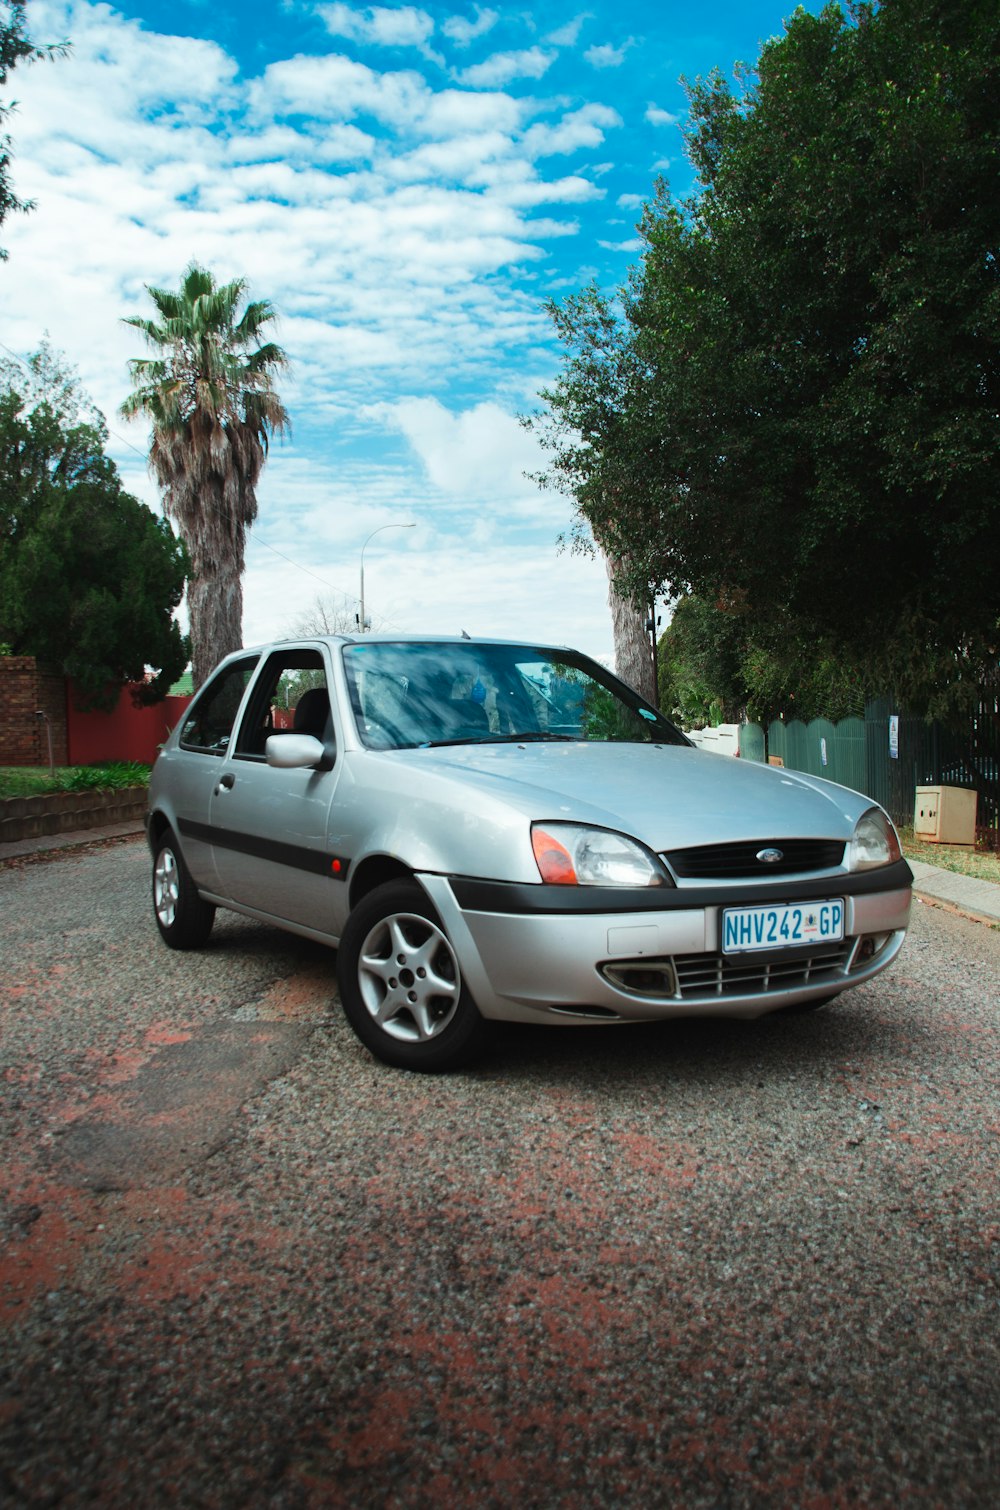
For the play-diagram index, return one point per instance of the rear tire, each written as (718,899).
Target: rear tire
(400,983)
(184,920)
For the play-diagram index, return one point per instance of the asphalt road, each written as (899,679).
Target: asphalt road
(691,1265)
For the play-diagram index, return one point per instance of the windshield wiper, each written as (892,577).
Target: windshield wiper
(536,736)
(439,744)
(495,739)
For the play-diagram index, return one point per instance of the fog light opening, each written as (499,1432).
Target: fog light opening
(870,945)
(654,978)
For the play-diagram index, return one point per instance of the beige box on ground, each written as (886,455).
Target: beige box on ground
(945,815)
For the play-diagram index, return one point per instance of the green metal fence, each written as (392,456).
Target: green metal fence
(889,753)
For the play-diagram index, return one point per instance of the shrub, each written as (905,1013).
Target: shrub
(20,781)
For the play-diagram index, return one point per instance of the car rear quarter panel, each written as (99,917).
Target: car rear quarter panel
(181,785)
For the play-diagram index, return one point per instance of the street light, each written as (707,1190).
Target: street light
(372,537)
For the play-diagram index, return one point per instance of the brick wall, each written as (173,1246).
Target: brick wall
(80,736)
(25,690)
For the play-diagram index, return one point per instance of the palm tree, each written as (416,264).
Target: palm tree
(209,393)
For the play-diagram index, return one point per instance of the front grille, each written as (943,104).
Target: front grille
(700,977)
(723,862)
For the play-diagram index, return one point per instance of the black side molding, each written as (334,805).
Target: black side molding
(314,861)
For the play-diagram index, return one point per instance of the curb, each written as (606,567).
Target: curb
(978,900)
(54,844)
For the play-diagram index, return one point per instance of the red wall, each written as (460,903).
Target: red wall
(127,733)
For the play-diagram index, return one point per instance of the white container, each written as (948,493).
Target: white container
(945,815)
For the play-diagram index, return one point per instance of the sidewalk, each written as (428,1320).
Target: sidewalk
(944,888)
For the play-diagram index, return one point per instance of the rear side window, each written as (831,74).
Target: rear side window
(209,721)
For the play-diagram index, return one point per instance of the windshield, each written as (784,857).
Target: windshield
(409,694)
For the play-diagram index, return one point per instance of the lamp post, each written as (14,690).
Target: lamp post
(363,626)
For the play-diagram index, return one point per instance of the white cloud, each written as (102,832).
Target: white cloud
(462,567)
(490,162)
(132,67)
(630,201)
(504,67)
(482,451)
(566,36)
(657,117)
(333,87)
(311,146)
(452,112)
(393,225)
(606,56)
(428,581)
(462,32)
(580,128)
(488,585)
(402,26)
(469,157)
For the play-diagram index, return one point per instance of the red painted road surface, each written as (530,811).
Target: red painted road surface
(693,1265)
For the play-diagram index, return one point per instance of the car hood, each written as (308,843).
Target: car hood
(668,796)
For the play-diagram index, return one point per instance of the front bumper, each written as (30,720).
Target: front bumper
(556,954)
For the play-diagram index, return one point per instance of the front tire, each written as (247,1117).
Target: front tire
(183,918)
(401,986)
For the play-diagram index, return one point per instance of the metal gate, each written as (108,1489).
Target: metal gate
(890,752)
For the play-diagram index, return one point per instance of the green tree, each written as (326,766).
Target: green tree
(714,670)
(15,47)
(701,663)
(590,429)
(210,397)
(89,577)
(809,426)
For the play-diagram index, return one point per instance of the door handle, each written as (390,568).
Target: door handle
(226,782)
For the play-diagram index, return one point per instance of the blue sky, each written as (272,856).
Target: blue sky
(407,184)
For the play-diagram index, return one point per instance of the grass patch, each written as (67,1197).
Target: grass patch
(37,781)
(981,863)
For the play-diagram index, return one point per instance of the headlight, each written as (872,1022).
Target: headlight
(568,854)
(873,842)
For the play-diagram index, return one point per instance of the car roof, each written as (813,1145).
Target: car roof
(400,639)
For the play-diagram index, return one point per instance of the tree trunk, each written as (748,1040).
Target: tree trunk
(633,652)
(215,612)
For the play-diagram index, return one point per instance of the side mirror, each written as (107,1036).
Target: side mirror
(292,752)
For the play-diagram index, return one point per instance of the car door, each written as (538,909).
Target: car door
(200,757)
(270,826)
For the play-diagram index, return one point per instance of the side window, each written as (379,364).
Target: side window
(291,696)
(208,722)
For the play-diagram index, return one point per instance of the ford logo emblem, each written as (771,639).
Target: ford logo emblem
(769,856)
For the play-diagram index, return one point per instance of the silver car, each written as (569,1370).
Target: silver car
(494,830)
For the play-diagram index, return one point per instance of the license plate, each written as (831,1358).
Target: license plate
(745,929)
